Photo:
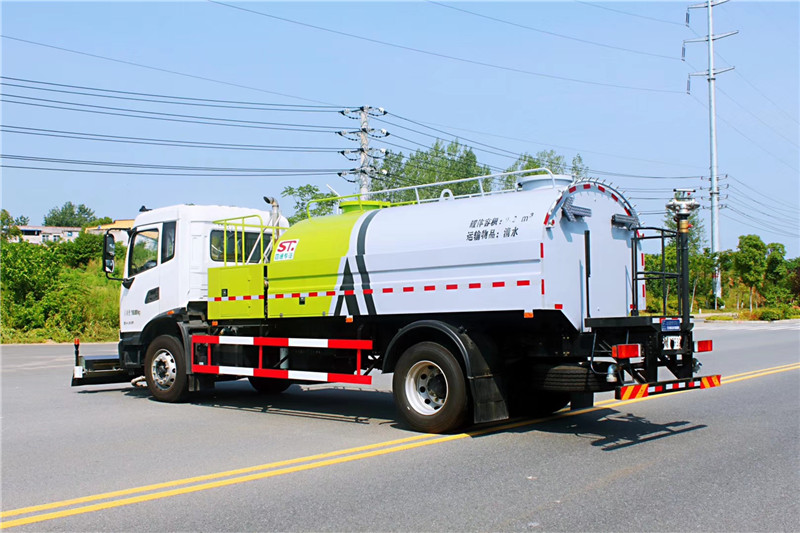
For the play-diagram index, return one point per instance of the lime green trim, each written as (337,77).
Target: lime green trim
(354,202)
(320,244)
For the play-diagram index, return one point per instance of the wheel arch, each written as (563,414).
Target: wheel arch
(427,330)
(486,387)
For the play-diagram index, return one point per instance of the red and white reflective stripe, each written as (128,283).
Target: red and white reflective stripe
(285,342)
(550,219)
(298,375)
(703,346)
(500,284)
(235,298)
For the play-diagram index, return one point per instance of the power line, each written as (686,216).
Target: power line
(161,142)
(511,154)
(732,99)
(783,211)
(629,13)
(776,132)
(516,155)
(734,128)
(189,174)
(753,189)
(760,224)
(446,56)
(748,82)
(773,216)
(177,73)
(159,113)
(256,107)
(15,157)
(243,102)
(4,99)
(767,98)
(553,34)
(641,176)
(429,126)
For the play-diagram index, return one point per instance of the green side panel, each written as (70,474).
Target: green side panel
(233,281)
(307,259)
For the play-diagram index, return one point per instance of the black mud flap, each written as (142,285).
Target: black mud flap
(489,404)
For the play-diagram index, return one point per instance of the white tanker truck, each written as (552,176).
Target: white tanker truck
(481,305)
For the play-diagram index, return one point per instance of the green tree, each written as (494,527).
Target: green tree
(97,222)
(544,159)
(750,262)
(439,163)
(84,248)
(776,289)
(70,214)
(28,269)
(8,226)
(579,170)
(302,196)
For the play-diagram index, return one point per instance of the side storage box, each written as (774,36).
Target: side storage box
(236,292)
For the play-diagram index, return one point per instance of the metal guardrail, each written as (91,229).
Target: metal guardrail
(238,226)
(363,200)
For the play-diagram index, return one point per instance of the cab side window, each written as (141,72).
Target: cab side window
(143,254)
(168,242)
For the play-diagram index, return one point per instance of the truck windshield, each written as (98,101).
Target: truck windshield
(144,251)
(230,249)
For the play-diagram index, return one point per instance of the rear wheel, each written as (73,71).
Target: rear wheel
(165,369)
(269,385)
(429,389)
(570,378)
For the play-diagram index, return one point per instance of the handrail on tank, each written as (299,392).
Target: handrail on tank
(417,188)
(240,224)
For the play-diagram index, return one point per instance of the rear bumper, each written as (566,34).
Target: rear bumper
(643,390)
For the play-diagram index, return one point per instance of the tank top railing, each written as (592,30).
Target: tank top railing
(420,194)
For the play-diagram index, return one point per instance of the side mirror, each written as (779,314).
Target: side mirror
(108,254)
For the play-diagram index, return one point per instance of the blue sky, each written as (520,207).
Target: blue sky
(619,100)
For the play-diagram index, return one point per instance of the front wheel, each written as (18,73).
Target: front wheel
(429,389)
(165,369)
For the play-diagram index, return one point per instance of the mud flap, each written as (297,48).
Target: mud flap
(489,403)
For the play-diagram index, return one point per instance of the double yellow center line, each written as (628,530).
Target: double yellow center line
(120,498)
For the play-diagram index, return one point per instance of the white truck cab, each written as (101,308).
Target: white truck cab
(170,250)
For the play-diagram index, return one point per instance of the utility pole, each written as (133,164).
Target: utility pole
(710,75)
(366,170)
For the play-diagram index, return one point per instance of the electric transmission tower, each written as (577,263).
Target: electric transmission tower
(366,170)
(711,75)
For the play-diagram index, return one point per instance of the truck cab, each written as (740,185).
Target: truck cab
(170,251)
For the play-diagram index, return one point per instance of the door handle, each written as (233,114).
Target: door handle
(152,296)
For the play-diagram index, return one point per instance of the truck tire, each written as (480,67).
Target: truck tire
(569,378)
(269,386)
(165,369)
(429,389)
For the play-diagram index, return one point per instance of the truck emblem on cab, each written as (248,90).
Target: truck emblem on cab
(285,250)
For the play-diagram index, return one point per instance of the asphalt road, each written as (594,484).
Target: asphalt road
(331,458)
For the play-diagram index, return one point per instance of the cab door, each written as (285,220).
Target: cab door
(141,299)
